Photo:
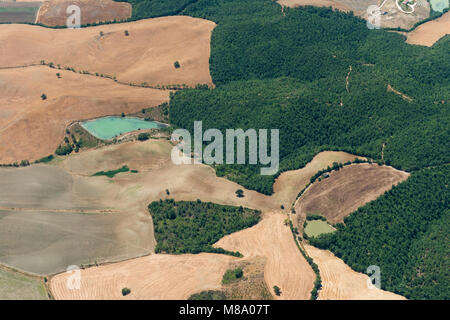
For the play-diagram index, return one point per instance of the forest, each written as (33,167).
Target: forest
(405,232)
(194,226)
(272,78)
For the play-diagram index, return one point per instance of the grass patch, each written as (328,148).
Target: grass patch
(232,275)
(315,228)
(112,173)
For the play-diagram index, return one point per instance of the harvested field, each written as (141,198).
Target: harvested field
(393,19)
(146,55)
(53,12)
(18,12)
(31,128)
(285,265)
(65,220)
(340,282)
(290,183)
(69,217)
(16,286)
(429,33)
(348,189)
(155,277)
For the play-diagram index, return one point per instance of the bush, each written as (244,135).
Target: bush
(143,136)
(126,291)
(277,290)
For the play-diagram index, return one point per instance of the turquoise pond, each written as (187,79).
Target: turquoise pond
(109,127)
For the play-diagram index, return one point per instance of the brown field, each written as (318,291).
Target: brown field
(147,55)
(340,282)
(394,19)
(53,12)
(348,189)
(429,33)
(155,277)
(285,265)
(24,11)
(290,183)
(31,128)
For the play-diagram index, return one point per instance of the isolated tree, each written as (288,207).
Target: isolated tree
(43,96)
(126,33)
(176,64)
(125,291)
(239,193)
(277,290)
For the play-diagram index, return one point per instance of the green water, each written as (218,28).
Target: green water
(109,127)
(315,228)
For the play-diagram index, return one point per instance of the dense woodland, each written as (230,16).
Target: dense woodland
(289,72)
(193,226)
(405,233)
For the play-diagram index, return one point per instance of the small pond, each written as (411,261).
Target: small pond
(109,127)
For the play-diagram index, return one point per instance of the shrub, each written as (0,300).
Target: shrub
(277,290)
(126,291)
(143,136)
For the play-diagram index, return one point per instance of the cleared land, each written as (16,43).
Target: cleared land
(65,220)
(348,189)
(429,33)
(340,282)
(289,183)
(285,266)
(155,277)
(18,12)
(31,128)
(147,54)
(53,12)
(393,19)
(16,286)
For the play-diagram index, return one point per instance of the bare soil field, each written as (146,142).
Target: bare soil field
(154,277)
(393,19)
(340,282)
(17,286)
(18,12)
(290,183)
(285,266)
(53,12)
(348,189)
(429,33)
(31,128)
(65,220)
(69,217)
(146,55)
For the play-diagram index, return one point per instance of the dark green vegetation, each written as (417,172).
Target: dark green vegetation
(209,295)
(143,136)
(157,8)
(126,291)
(192,227)
(405,232)
(232,275)
(64,149)
(111,173)
(289,73)
(277,290)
